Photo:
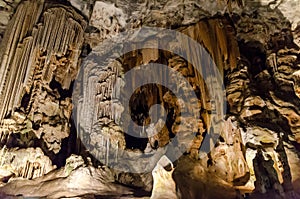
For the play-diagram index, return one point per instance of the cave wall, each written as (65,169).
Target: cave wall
(255,50)
(40,54)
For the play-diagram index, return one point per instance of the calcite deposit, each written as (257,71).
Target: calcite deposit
(229,127)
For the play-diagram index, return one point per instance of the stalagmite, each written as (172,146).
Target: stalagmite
(164,186)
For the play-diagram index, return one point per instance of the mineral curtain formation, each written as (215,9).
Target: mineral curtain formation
(40,50)
(50,75)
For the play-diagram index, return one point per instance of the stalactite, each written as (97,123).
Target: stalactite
(44,63)
(221,45)
(32,165)
(38,50)
(21,26)
(21,49)
(149,54)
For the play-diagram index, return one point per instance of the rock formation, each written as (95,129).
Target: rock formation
(63,84)
(39,61)
(164,185)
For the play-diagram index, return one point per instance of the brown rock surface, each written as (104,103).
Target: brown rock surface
(256,149)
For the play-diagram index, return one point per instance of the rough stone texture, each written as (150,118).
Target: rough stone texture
(39,61)
(254,47)
(264,90)
(164,186)
(286,7)
(296,34)
(227,158)
(91,181)
(27,163)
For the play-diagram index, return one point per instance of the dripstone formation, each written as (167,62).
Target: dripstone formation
(61,122)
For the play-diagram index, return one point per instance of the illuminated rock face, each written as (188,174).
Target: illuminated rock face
(163,185)
(253,47)
(40,54)
(26,163)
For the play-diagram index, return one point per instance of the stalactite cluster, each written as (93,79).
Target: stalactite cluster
(100,112)
(62,86)
(39,62)
(32,165)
